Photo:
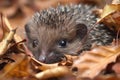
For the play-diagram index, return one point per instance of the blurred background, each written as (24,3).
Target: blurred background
(20,11)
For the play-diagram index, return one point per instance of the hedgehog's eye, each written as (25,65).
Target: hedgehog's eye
(62,43)
(34,43)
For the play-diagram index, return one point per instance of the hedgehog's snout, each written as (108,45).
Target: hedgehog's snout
(50,57)
(42,57)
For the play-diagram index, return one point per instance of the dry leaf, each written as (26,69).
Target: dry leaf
(68,61)
(90,63)
(116,2)
(106,77)
(6,42)
(116,68)
(111,16)
(43,66)
(3,27)
(19,68)
(8,25)
(54,72)
(8,34)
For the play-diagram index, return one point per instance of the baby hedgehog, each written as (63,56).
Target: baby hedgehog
(69,29)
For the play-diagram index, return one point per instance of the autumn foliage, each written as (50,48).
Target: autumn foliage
(17,62)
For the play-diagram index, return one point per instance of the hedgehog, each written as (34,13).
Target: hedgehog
(67,29)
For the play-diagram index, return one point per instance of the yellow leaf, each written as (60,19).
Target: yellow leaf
(109,9)
(111,16)
(54,72)
(19,68)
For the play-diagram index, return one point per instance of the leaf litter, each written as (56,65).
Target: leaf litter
(18,63)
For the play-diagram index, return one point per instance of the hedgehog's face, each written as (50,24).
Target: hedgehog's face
(49,44)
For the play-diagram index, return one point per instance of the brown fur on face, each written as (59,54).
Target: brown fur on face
(48,41)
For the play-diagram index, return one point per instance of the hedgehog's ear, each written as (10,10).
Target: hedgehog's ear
(81,30)
(27,29)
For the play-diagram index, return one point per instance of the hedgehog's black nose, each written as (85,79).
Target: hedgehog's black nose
(42,58)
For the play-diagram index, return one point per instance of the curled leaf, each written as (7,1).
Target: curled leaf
(90,63)
(19,68)
(3,27)
(111,16)
(116,2)
(43,66)
(6,42)
(54,72)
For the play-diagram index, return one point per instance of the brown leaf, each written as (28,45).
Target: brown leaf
(116,68)
(90,63)
(54,72)
(19,68)
(42,66)
(3,27)
(5,42)
(111,16)
(68,61)
(107,77)
(7,34)
(1,33)
(116,2)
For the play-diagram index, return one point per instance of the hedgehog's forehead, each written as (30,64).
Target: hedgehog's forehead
(62,15)
(55,16)
(50,19)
